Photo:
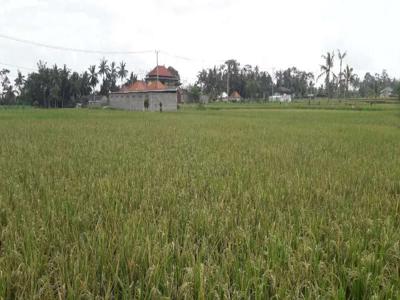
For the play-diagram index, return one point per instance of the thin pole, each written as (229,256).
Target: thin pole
(227,82)
(272,79)
(157,64)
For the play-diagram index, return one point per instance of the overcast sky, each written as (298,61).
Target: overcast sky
(270,34)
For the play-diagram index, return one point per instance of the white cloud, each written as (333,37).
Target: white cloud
(271,34)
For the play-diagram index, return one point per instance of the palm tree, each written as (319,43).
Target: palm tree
(122,71)
(84,84)
(56,84)
(43,78)
(19,82)
(341,56)
(93,79)
(75,86)
(132,79)
(349,77)
(65,84)
(326,70)
(104,68)
(113,75)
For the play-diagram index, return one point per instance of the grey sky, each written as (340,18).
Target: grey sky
(271,34)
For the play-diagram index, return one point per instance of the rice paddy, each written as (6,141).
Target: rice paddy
(217,203)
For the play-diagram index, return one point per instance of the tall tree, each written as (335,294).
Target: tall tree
(44,81)
(367,86)
(174,72)
(349,78)
(84,84)
(65,85)
(122,71)
(398,90)
(326,70)
(75,81)
(113,75)
(341,56)
(93,79)
(132,79)
(19,82)
(7,95)
(104,69)
(55,88)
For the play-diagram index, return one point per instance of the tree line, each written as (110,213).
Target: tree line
(251,83)
(61,87)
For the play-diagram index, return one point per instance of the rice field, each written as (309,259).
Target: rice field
(244,203)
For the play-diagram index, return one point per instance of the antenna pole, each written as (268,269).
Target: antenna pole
(227,81)
(157,51)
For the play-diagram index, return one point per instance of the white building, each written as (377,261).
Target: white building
(280,98)
(386,92)
(223,97)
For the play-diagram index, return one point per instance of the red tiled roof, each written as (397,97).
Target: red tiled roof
(235,94)
(162,72)
(141,86)
(135,87)
(155,85)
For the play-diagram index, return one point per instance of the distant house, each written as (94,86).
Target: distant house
(386,92)
(235,96)
(157,93)
(280,98)
(223,97)
(311,96)
(282,95)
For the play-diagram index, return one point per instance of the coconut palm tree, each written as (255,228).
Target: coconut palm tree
(84,84)
(326,70)
(104,69)
(19,82)
(341,56)
(132,79)
(122,71)
(113,75)
(65,84)
(57,78)
(93,78)
(349,78)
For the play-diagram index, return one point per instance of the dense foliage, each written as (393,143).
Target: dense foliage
(251,83)
(61,87)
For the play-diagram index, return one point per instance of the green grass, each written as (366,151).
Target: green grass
(325,104)
(204,204)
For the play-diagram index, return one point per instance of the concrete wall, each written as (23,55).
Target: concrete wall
(99,101)
(135,101)
(168,101)
(128,101)
(188,98)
